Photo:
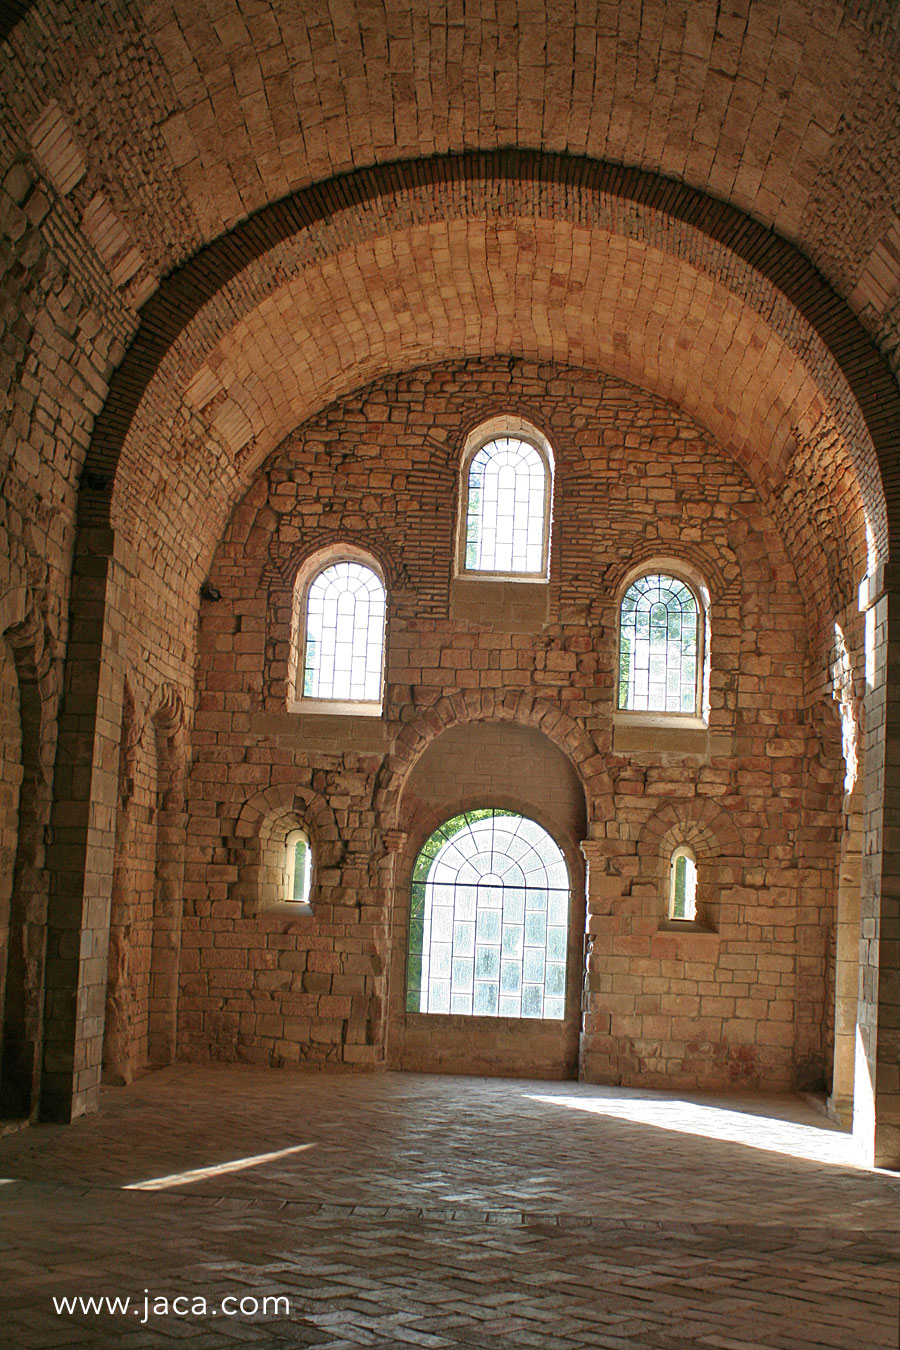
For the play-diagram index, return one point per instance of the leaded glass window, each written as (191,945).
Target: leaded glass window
(344,643)
(507,509)
(489,919)
(659,640)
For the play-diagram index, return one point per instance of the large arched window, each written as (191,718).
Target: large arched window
(507,491)
(489,919)
(660,647)
(339,637)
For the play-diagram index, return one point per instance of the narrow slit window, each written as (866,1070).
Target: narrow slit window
(343,657)
(683,885)
(488,934)
(659,647)
(507,509)
(298,868)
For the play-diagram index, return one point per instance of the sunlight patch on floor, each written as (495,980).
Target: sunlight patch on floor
(215,1170)
(810,1142)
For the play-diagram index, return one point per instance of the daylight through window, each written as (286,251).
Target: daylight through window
(507,509)
(489,919)
(344,645)
(683,885)
(297,868)
(659,640)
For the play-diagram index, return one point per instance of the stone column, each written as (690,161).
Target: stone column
(80,857)
(876,1099)
(846,967)
(394,997)
(168,886)
(598,1056)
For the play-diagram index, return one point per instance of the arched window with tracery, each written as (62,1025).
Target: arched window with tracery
(660,646)
(489,919)
(507,491)
(339,637)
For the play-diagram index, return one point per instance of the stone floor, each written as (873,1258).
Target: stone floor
(407,1210)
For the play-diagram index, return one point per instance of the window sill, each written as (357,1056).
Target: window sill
(522,578)
(335,707)
(286,909)
(481,1021)
(682,721)
(684,926)
(668,733)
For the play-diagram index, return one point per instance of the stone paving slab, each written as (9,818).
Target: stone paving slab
(441,1212)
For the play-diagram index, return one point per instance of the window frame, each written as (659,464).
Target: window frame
(498,428)
(307,574)
(678,571)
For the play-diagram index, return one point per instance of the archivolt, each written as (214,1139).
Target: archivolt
(484,706)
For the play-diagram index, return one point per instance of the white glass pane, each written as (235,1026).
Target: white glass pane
(659,627)
(344,648)
(490,936)
(506,509)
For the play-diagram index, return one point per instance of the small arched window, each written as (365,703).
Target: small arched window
(340,638)
(660,647)
(683,884)
(507,491)
(297,869)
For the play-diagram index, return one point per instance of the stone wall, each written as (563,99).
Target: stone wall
(756,791)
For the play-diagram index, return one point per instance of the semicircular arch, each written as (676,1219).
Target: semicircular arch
(483,706)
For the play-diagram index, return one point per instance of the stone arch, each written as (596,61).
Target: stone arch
(709,830)
(715,841)
(264,822)
(281,572)
(719,575)
(766,273)
(481,706)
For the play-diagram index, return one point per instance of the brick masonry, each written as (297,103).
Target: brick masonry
(758,795)
(214,226)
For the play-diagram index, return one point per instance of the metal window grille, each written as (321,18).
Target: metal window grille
(489,919)
(506,524)
(658,647)
(344,648)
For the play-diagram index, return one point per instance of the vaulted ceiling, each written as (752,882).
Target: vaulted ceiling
(172,135)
